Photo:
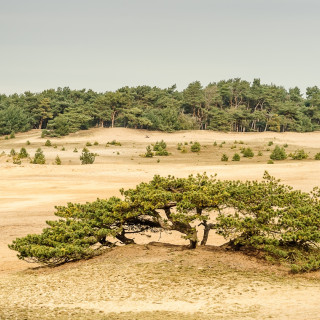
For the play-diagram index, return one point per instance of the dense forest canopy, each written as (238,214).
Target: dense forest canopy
(228,105)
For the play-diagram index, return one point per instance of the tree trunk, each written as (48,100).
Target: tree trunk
(124,239)
(207,228)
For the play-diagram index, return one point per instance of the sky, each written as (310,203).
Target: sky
(107,44)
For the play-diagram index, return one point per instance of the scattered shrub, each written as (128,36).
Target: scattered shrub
(236,157)
(23,153)
(179,147)
(75,150)
(260,153)
(196,147)
(16,159)
(278,154)
(247,152)
(299,154)
(6,138)
(215,144)
(224,157)
(88,144)
(159,146)
(39,157)
(48,143)
(114,143)
(96,143)
(270,162)
(87,157)
(270,143)
(12,152)
(317,156)
(57,160)
(184,150)
(12,135)
(28,143)
(149,153)
(63,149)
(285,145)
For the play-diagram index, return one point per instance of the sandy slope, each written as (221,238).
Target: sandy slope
(30,192)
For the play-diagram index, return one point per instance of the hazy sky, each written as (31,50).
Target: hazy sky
(107,44)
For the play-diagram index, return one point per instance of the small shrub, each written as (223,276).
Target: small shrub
(55,146)
(241,142)
(75,150)
(299,154)
(233,147)
(220,145)
(48,143)
(6,138)
(12,152)
(270,162)
(63,149)
(88,144)
(12,135)
(96,143)
(285,145)
(184,150)
(278,154)
(236,157)
(215,144)
(317,156)
(196,147)
(270,143)
(57,160)
(16,160)
(159,146)
(260,153)
(162,152)
(186,143)
(224,157)
(149,153)
(28,143)
(118,152)
(247,153)
(87,157)
(39,157)
(158,160)
(179,147)
(23,153)
(114,143)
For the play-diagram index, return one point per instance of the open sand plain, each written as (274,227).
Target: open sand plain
(148,280)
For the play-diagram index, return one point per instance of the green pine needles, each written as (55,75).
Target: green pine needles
(265,217)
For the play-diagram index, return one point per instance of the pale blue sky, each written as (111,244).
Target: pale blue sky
(104,45)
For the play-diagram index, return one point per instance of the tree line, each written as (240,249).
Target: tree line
(264,217)
(228,105)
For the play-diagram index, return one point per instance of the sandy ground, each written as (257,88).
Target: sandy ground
(30,192)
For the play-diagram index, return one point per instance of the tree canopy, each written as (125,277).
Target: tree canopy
(265,217)
(227,105)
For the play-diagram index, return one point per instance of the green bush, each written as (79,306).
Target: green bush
(247,152)
(159,146)
(236,157)
(96,143)
(88,144)
(12,152)
(28,143)
(16,159)
(23,153)
(196,147)
(39,157)
(87,157)
(48,143)
(57,160)
(114,143)
(12,135)
(317,156)
(270,143)
(149,153)
(299,154)
(224,157)
(278,154)
(75,150)
(260,153)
